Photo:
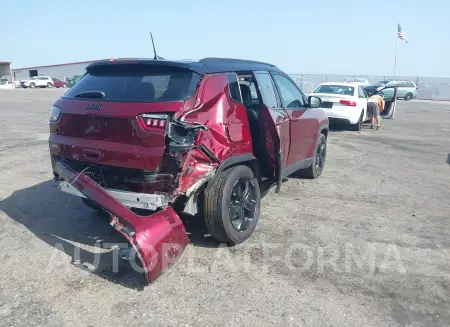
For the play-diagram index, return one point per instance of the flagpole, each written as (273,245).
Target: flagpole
(395,59)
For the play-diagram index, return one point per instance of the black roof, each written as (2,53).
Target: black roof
(203,66)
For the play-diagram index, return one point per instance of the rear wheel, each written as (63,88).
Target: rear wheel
(408,96)
(358,126)
(318,163)
(49,85)
(231,207)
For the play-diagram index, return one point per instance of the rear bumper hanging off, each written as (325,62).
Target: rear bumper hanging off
(159,239)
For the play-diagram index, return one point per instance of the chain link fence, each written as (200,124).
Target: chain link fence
(430,88)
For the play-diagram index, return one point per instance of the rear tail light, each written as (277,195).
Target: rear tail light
(417,89)
(153,121)
(348,103)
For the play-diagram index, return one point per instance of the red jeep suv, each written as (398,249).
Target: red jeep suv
(149,140)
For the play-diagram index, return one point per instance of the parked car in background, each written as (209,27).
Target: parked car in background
(37,81)
(72,80)
(6,84)
(359,81)
(405,89)
(200,142)
(58,83)
(343,102)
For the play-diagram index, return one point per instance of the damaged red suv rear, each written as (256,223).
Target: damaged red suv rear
(150,140)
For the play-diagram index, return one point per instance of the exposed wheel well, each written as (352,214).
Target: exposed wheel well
(324,131)
(252,164)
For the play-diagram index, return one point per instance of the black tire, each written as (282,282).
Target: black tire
(32,85)
(315,170)
(49,85)
(358,126)
(408,96)
(218,205)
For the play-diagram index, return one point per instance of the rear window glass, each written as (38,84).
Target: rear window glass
(335,89)
(137,83)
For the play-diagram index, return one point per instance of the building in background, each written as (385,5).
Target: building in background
(60,71)
(6,79)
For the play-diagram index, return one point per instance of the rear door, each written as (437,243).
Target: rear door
(411,88)
(401,89)
(118,114)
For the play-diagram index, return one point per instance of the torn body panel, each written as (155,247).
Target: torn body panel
(209,129)
(227,130)
(158,239)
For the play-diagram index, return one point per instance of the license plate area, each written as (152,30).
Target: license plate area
(327,104)
(128,199)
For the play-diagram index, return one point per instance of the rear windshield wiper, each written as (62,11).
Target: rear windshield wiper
(91,94)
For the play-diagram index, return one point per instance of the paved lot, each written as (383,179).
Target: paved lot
(365,245)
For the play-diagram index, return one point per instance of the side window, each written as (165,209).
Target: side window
(233,86)
(400,84)
(361,92)
(409,84)
(289,93)
(392,83)
(267,90)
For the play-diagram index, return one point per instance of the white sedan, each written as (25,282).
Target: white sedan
(343,102)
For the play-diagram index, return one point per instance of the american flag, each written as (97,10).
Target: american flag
(401,35)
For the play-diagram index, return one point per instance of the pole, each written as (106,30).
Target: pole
(395,59)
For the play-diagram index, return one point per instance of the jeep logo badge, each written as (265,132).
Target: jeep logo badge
(96,107)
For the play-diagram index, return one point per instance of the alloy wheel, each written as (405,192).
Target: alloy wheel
(242,204)
(320,155)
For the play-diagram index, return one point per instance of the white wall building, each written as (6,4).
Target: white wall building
(60,71)
(6,79)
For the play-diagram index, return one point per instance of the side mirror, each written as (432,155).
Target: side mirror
(314,102)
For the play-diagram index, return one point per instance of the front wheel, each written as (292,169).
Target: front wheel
(231,208)
(318,163)
(32,85)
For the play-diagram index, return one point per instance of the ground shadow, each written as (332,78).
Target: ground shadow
(341,127)
(197,232)
(65,223)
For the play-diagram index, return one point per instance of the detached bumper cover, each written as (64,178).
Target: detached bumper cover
(159,239)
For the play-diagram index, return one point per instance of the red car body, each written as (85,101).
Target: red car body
(173,150)
(58,83)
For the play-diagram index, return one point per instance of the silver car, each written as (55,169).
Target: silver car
(406,90)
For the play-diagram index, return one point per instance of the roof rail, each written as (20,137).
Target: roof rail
(233,60)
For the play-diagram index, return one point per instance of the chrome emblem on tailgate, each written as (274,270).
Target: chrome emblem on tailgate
(93,106)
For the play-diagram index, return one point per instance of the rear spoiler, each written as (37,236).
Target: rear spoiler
(196,67)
